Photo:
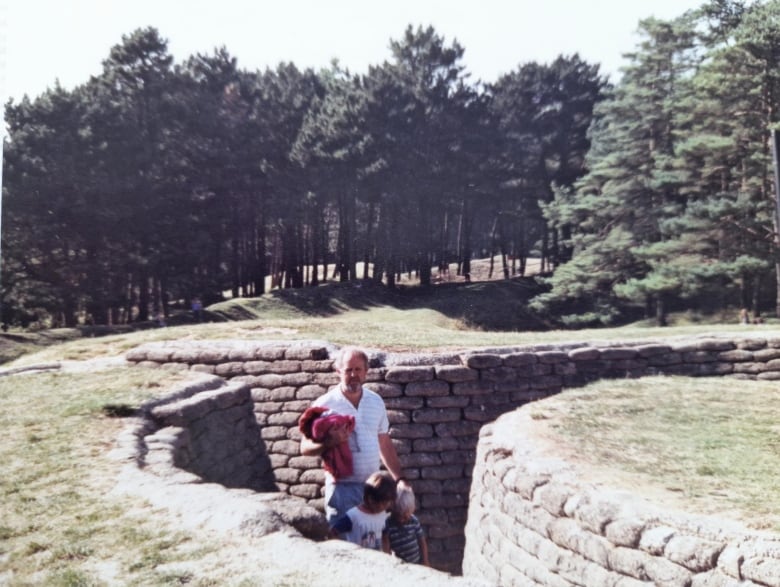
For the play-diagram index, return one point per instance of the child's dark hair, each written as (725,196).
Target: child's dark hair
(379,487)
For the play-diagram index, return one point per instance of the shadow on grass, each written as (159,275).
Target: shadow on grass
(490,305)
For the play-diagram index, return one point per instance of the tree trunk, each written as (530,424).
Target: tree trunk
(660,311)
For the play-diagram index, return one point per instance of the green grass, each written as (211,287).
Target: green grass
(446,316)
(60,525)
(710,442)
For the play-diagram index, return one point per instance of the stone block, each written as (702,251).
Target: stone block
(405,403)
(447,402)
(762,570)
(234,395)
(287,475)
(707,369)
(213,356)
(751,344)
(305,490)
(619,354)
(593,510)
(232,369)
(460,457)
(565,369)
(584,354)
(693,553)
(411,431)
(304,352)
(749,368)
(436,415)
(483,361)
(285,447)
(269,353)
(625,532)
(387,390)
(278,460)
(283,419)
(273,433)
(410,375)
(314,476)
(310,392)
(666,359)
(174,366)
(548,383)
(655,539)
(317,366)
(499,375)
(433,388)
(456,373)
(462,428)
(553,497)
(159,355)
(765,355)
(443,472)
(552,357)
(445,500)
(297,379)
(269,381)
(735,356)
(700,357)
(472,388)
(435,444)
(398,417)
(567,533)
(325,379)
(769,376)
(241,353)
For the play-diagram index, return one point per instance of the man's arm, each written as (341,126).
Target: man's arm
(390,456)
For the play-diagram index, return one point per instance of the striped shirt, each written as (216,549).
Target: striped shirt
(405,539)
(370,421)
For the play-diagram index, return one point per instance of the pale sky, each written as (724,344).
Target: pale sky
(46,40)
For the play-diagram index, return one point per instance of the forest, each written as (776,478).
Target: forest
(157,182)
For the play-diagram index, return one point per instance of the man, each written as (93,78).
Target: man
(369,442)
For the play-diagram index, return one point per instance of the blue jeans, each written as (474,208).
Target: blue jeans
(339,497)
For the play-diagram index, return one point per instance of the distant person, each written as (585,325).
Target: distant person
(369,442)
(404,536)
(743,316)
(197,308)
(364,523)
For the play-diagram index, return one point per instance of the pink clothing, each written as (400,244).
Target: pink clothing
(315,423)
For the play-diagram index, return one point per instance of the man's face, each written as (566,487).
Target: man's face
(352,373)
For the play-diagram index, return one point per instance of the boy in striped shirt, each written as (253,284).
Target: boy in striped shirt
(404,535)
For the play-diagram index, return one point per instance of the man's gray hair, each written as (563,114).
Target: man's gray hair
(350,351)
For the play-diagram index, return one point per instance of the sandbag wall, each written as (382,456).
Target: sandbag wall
(533,521)
(437,403)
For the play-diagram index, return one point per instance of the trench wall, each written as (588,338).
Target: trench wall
(247,436)
(532,521)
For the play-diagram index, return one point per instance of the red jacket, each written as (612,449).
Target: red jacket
(314,424)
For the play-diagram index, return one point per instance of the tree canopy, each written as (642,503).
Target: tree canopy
(156,182)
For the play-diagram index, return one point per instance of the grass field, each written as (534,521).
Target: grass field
(706,442)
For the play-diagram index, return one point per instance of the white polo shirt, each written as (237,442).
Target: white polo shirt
(370,421)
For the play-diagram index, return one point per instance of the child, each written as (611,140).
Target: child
(403,534)
(364,523)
